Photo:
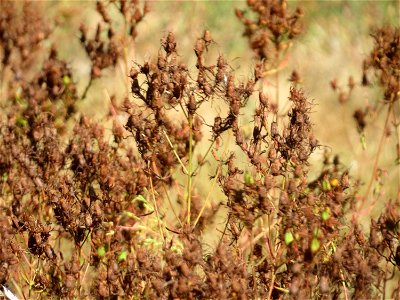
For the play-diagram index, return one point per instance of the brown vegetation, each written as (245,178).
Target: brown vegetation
(82,208)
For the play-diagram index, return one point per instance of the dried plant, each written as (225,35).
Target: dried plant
(87,214)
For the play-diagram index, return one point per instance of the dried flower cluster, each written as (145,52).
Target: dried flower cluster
(104,53)
(21,33)
(85,214)
(273,27)
(385,59)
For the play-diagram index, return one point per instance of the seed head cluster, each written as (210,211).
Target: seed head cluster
(86,208)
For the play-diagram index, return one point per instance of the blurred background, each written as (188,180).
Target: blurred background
(335,41)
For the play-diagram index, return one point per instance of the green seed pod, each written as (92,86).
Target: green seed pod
(315,245)
(326,186)
(248,178)
(326,214)
(288,238)
(122,255)
(101,251)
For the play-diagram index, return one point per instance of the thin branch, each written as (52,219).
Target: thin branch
(189,174)
(87,88)
(172,207)
(156,208)
(271,286)
(378,153)
(175,153)
(204,157)
(208,197)
(346,296)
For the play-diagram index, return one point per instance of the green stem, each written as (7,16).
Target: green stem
(176,154)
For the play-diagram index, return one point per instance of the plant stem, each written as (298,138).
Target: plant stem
(277,84)
(396,122)
(271,287)
(378,153)
(156,209)
(252,263)
(204,157)
(175,153)
(87,88)
(170,204)
(189,175)
(208,197)
(346,297)
(286,291)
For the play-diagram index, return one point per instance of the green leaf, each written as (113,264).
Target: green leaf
(130,215)
(122,255)
(140,198)
(288,238)
(315,245)
(143,201)
(101,251)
